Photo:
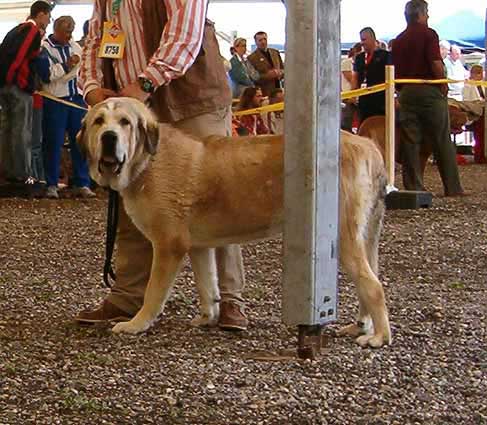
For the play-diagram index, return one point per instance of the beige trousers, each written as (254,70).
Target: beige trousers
(134,251)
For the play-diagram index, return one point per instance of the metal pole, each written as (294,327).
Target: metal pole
(312,121)
(390,125)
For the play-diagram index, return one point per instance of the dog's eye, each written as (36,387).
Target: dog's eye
(124,122)
(99,121)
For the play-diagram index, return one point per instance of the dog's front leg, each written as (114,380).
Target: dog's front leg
(165,266)
(204,268)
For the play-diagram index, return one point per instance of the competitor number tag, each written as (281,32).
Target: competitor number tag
(113,41)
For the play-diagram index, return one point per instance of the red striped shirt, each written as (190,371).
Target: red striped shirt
(180,44)
(20,66)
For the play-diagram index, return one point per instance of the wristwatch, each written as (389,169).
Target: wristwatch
(146,85)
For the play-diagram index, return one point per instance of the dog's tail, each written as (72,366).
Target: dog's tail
(376,217)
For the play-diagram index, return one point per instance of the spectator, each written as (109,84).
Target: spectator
(424,108)
(242,73)
(19,50)
(381,44)
(370,69)
(86,28)
(477,94)
(349,106)
(275,120)
(455,71)
(268,63)
(64,55)
(444,49)
(177,66)
(254,124)
(37,160)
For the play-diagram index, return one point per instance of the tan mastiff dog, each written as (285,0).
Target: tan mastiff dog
(375,128)
(188,195)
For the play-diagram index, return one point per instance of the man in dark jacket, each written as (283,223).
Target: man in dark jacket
(268,63)
(18,54)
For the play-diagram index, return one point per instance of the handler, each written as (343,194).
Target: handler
(164,52)
(423,107)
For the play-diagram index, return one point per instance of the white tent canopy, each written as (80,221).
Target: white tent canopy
(242,17)
(452,18)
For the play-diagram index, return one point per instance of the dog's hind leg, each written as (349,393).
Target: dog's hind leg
(370,294)
(165,266)
(204,268)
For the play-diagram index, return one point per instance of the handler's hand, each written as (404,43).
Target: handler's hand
(99,95)
(134,90)
(73,61)
(444,89)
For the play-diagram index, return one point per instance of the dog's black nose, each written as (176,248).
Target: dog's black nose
(109,143)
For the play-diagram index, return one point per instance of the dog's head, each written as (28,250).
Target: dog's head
(117,137)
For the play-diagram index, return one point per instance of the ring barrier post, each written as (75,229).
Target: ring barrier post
(311,168)
(390,127)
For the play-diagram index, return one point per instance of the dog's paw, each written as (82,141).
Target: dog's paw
(373,341)
(204,321)
(130,327)
(360,327)
(351,330)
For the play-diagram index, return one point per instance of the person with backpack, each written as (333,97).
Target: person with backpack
(19,54)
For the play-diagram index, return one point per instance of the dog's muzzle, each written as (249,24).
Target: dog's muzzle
(109,161)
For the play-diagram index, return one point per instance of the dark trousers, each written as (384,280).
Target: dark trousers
(478,133)
(16,133)
(37,158)
(347,115)
(371,105)
(424,118)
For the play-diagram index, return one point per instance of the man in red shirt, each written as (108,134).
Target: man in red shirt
(423,107)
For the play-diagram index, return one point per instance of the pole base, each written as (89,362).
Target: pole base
(408,200)
(309,341)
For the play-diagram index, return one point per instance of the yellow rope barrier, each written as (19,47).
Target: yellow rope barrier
(441,81)
(277,107)
(363,91)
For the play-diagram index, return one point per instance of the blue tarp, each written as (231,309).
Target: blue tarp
(465,28)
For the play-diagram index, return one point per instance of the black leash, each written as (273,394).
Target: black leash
(112,223)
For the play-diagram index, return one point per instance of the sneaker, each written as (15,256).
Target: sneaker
(84,192)
(232,317)
(106,312)
(52,193)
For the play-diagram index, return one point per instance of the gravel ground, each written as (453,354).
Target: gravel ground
(432,263)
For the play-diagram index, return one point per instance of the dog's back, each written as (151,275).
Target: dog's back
(243,185)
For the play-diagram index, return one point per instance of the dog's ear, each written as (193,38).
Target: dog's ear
(81,140)
(149,132)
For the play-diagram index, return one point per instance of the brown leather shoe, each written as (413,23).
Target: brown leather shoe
(457,194)
(231,317)
(106,312)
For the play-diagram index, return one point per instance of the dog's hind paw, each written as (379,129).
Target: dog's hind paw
(374,340)
(130,327)
(351,330)
(204,321)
